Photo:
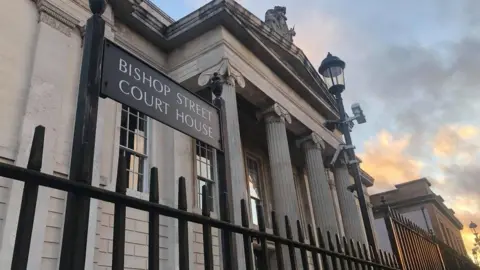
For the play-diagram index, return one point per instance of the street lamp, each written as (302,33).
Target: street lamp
(332,71)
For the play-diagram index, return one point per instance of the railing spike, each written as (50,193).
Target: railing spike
(303,251)
(278,246)
(247,240)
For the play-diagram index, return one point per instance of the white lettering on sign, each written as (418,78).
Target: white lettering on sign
(188,112)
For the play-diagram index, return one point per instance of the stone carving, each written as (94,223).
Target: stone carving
(224,69)
(315,139)
(280,113)
(56,18)
(276,19)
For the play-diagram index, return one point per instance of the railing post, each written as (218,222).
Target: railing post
(183,256)
(118,253)
(278,246)
(247,239)
(263,241)
(207,232)
(29,202)
(153,224)
(81,164)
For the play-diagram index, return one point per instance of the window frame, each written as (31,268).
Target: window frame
(124,149)
(199,178)
(262,186)
(298,178)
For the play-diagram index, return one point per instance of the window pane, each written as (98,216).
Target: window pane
(134,146)
(253,206)
(205,171)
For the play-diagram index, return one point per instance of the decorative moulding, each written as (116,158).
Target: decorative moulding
(55,17)
(224,69)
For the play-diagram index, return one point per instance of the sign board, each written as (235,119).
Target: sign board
(134,83)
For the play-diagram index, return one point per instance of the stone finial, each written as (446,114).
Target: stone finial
(225,70)
(276,19)
(97,6)
(276,110)
(314,139)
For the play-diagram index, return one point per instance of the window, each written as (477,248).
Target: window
(133,146)
(253,174)
(205,167)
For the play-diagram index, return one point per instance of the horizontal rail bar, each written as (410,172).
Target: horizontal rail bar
(55,182)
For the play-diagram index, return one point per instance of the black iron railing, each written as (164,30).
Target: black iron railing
(417,249)
(326,250)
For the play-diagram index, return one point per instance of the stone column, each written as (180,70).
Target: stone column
(235,166)
(352,223)
(322,201)
(283,186)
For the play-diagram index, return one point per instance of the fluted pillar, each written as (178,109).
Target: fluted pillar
(322,201)
(283,186)
(352,223)
(234,162)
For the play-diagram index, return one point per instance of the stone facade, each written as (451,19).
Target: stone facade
(40,53)
(416,201)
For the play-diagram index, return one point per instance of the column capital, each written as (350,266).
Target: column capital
(275,113)
(229,74)
(314,140)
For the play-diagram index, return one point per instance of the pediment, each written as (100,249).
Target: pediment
(277,52)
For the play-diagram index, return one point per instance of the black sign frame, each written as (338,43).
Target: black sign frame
(110,48)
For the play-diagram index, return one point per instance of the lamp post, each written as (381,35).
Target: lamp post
(331,70)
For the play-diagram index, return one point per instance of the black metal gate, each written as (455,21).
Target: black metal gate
(417,249)
(326,250)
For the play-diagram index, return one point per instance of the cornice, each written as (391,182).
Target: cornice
(56,17)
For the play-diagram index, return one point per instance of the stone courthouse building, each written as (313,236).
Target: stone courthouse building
(277,106)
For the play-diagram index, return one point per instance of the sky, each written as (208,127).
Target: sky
(414,66)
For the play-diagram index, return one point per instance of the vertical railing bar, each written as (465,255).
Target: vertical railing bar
(385,259)
(23,236)
(393,236)
(316,263)
(334,259)
(278,246)
(354,254)
(291,248)
(263,240)
(342,260)
(347,252)
(411,251)
(360,255)
(382,259)
(416,246)
(321,243)
(403,244)
(183,251)
(247,240)
(118,252)
(154,224)
(207,231)
(374,256)
(367,256)
(303,251)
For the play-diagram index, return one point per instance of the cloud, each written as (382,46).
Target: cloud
(385,159)
(456,144)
